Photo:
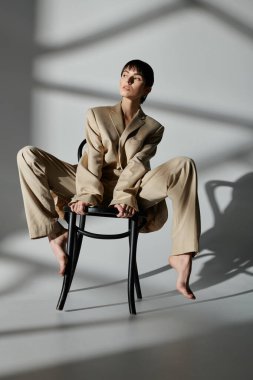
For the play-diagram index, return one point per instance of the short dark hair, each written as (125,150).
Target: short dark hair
(144,69)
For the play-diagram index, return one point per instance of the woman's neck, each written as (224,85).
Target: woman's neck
(129,110)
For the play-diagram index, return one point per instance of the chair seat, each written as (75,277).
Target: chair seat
(76,233)
(102,211)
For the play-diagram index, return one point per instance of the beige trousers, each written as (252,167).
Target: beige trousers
(41,174)
(176,179)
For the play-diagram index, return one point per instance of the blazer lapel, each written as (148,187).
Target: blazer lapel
(123,133)
(117,118)
(136,123)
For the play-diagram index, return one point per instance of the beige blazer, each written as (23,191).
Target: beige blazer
(116,159)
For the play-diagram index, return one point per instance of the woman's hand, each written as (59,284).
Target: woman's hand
(79,207)
(125,211)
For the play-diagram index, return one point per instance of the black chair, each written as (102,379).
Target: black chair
(75,237)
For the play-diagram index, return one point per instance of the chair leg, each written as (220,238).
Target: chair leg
(137,282)
(78,244)
(136,274)
(132,264)
(71,245)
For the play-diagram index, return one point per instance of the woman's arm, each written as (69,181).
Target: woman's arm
(89,188)
(127,187)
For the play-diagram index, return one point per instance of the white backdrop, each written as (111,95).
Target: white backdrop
(65,56)
(202,56)
(60,57)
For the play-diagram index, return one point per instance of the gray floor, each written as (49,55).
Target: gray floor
(96,338)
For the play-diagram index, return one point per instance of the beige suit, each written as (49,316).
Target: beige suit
(115,168)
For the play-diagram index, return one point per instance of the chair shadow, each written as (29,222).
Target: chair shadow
(141,276)
(230,240)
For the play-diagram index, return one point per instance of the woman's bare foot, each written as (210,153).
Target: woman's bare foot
(183,265)
(58,245)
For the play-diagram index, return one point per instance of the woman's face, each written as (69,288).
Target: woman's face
(132,85)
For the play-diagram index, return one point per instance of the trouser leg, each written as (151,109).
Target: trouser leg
(177,179)
(40,173)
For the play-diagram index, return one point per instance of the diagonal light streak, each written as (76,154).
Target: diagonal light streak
(179,109)
(134,22)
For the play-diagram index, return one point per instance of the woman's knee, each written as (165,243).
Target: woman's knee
(182,161)
(26,154)
(188,161)
(185,163)
(189,164)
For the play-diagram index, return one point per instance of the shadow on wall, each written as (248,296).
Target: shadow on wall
(230,239)
(17,46)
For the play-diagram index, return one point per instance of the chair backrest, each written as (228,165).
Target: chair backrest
(80,150)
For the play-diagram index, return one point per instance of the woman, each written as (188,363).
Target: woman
(115,170)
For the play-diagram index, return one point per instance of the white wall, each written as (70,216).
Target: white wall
(201,52)
(60,57)
(202,56)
